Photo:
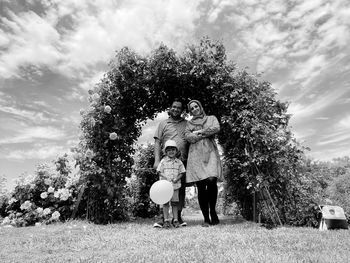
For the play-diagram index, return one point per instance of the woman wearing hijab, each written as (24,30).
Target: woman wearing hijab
(203,164)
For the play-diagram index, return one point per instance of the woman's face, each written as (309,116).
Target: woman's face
(195,109)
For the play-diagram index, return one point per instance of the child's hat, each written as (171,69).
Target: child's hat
(170,143)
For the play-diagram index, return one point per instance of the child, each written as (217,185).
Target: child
(171,169)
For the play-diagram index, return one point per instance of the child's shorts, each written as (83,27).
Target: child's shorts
(175,199)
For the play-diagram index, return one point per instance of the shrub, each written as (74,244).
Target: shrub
(141,181)
(47,196)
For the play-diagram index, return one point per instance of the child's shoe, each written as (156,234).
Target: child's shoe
(176,223)
(167,224)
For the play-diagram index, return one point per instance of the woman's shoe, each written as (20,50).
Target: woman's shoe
(215,222)
(205,224)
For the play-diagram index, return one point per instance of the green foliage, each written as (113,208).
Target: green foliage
(47,196)
(258,147)
(141,181)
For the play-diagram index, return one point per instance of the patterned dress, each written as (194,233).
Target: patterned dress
(203,156)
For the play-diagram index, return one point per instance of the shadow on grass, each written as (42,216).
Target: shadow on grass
(191,220)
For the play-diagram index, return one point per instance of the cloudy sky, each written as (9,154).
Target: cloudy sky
(52,52)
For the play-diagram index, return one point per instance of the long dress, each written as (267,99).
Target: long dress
(203,156)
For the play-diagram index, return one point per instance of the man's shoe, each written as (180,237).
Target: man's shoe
(181,222)
(158,225)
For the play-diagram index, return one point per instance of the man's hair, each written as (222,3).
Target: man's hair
(179,100)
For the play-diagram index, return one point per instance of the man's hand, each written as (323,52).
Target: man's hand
(155,165)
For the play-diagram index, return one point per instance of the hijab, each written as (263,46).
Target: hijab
(201,118)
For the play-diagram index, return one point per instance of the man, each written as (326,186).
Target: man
(173,128)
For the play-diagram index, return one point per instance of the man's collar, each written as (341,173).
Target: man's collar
(170,119)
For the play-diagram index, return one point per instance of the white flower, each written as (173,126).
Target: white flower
(51,189)
(39,210)
(95,96)
(47,181)
(47,211)
(55,215)
(6,221)
(12,200)
(64,194)
(113,136)
(89,153)
(26,205)
(107,109)
(93,122)
(43,195)
(56,194)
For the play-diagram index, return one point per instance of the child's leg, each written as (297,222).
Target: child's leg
(166,212)
(174,207)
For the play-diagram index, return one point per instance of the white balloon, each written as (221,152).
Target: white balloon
(161,192)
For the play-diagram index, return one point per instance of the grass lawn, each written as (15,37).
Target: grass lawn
(232,241)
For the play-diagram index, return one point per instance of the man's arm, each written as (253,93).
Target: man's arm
(157,153)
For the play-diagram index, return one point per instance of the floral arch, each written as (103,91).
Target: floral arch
(254,134)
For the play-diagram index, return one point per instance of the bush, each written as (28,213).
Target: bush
(141,181)
(45,197)
(339,192)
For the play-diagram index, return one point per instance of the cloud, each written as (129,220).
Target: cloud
(335,139)
(25,114)
(29,40)
(301,111)
(41,152)
(344,123)
(73,37)
(31,134)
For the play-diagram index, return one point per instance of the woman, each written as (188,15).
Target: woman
(203,164)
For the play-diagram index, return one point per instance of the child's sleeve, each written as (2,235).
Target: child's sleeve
(182,168)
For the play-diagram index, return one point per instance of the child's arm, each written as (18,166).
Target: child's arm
(161,176)
(178,178)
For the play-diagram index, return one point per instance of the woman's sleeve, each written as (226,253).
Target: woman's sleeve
(213,127)
(190,136)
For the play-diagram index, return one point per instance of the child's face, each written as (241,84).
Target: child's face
(171,152)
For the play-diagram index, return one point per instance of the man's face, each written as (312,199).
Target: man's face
(176,109)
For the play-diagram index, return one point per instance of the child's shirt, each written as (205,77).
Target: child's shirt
(171,168)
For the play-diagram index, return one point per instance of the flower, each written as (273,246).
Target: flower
(95,96)
(93,122)
(55,215)
(47,211)
(89,153)
(107,109)
(51,189)
(113,136)
(26,205)
(39,210)
(12,200)
(43,195)
(63,194)
(47,181)
(6,221)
